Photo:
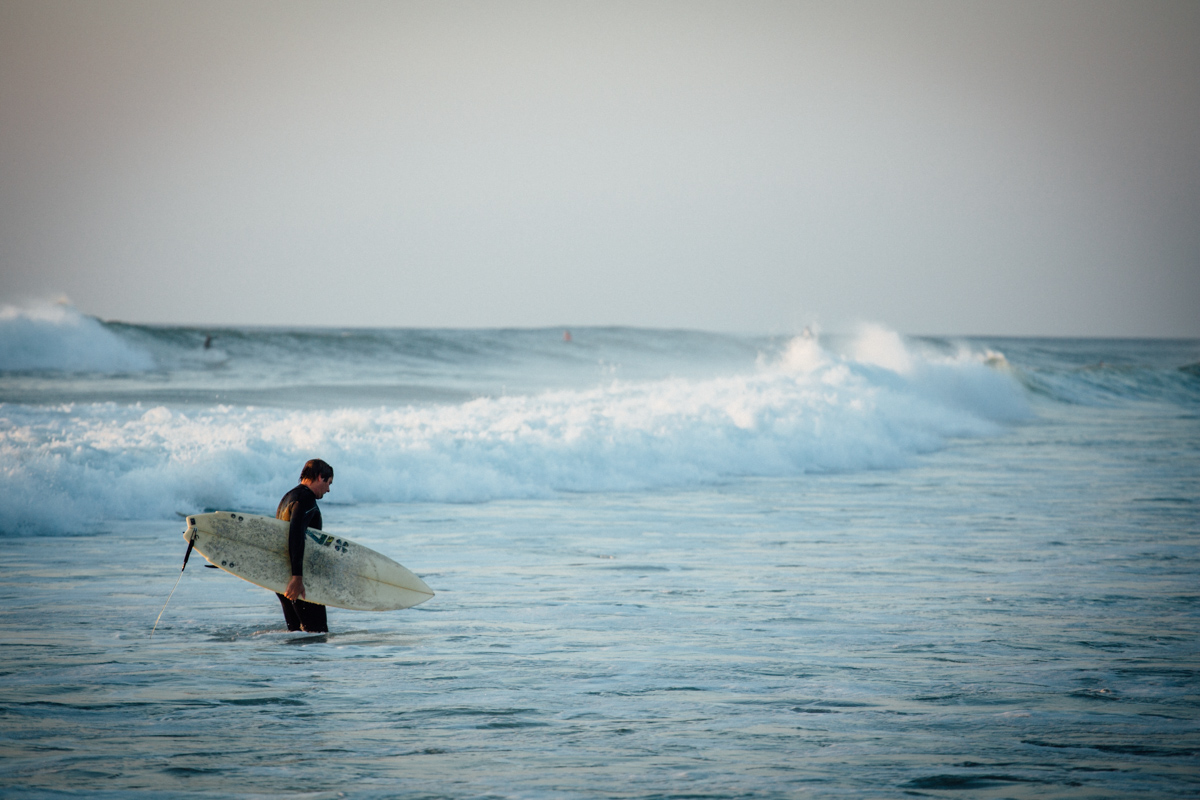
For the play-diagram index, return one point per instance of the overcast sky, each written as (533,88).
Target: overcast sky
(1027,168)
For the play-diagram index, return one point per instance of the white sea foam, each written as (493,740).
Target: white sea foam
(56,337)
(882,347)
(808,411)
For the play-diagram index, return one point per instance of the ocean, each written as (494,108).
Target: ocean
(668,564)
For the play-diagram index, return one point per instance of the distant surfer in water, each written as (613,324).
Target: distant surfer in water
(299,506)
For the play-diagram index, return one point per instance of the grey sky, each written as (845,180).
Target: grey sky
(938,167)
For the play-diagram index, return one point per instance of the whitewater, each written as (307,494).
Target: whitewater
(668,563)
(155,423)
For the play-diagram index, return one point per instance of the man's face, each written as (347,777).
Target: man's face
(320,486)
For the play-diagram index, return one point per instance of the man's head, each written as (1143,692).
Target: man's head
(317,475)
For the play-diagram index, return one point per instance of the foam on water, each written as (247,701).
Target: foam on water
(808,410)
(109,420)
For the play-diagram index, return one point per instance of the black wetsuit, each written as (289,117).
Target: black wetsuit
(299,506)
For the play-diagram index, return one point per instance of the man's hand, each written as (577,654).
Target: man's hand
(295,588)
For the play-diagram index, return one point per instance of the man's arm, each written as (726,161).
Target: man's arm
(296,531)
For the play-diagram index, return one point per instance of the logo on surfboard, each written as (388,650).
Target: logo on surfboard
(325,540)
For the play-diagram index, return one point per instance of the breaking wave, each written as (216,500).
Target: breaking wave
(57,338)
(800,409)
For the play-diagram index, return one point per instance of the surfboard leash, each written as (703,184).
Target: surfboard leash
(191,543)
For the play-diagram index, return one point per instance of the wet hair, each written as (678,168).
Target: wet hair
(316,469)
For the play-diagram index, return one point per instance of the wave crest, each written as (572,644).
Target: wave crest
(54,337)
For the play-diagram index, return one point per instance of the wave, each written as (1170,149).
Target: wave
(1103,385)
(106,420)
(1109,373)
(56,337)
(54,344)
(805,410)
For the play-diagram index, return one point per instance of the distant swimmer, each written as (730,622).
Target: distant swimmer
(207,342)
(566,336)
(299,506)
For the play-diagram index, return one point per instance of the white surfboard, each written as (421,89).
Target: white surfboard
(337,571)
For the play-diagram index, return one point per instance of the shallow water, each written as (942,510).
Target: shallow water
(1020,625)
(1011,615)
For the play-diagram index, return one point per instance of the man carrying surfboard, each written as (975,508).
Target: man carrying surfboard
(299,507)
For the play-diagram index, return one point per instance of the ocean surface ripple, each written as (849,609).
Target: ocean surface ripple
(668,564)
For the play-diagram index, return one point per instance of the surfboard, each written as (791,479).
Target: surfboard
(337,571)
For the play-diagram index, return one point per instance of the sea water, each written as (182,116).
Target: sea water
(667,564)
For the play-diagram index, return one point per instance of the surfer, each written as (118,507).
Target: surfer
(299,506)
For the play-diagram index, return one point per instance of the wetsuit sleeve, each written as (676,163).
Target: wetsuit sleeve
(301,516)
